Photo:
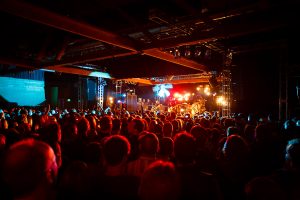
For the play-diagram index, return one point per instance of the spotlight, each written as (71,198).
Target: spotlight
(197,52)
(176,53)
(187,52)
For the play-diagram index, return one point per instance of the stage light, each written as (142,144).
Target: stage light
(100,74)
(177,53)
(161,93)
(48,70)
(221,101)
(161,90)
(207,90)
(176,95)
(187,52)
(197,52)
(110,100)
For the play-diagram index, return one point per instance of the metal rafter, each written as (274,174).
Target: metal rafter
(46,17)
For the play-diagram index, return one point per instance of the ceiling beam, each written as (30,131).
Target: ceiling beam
(145,82)
(43,50)
(46,17)
(62,49)
(61,69)
(170,58)
(221,31)
(184,81)
(23,64)
(78,71)
(138,80)
(88,59)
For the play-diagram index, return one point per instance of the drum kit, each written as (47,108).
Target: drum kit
(186,108)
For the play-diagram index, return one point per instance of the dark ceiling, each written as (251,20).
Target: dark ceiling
(141,38)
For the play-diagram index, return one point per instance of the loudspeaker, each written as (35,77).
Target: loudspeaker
(54,96)
(91,89)
(131,102)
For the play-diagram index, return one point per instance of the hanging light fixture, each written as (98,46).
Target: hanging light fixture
(176,53)
(187,51)
(197,52)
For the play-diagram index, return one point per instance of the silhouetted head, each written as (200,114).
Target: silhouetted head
(184,148)
(148,144)
(116,149)
(159,182)
(136,126)
(29,165)
(106,124)
(235,148)
(232,130)
(292,154)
